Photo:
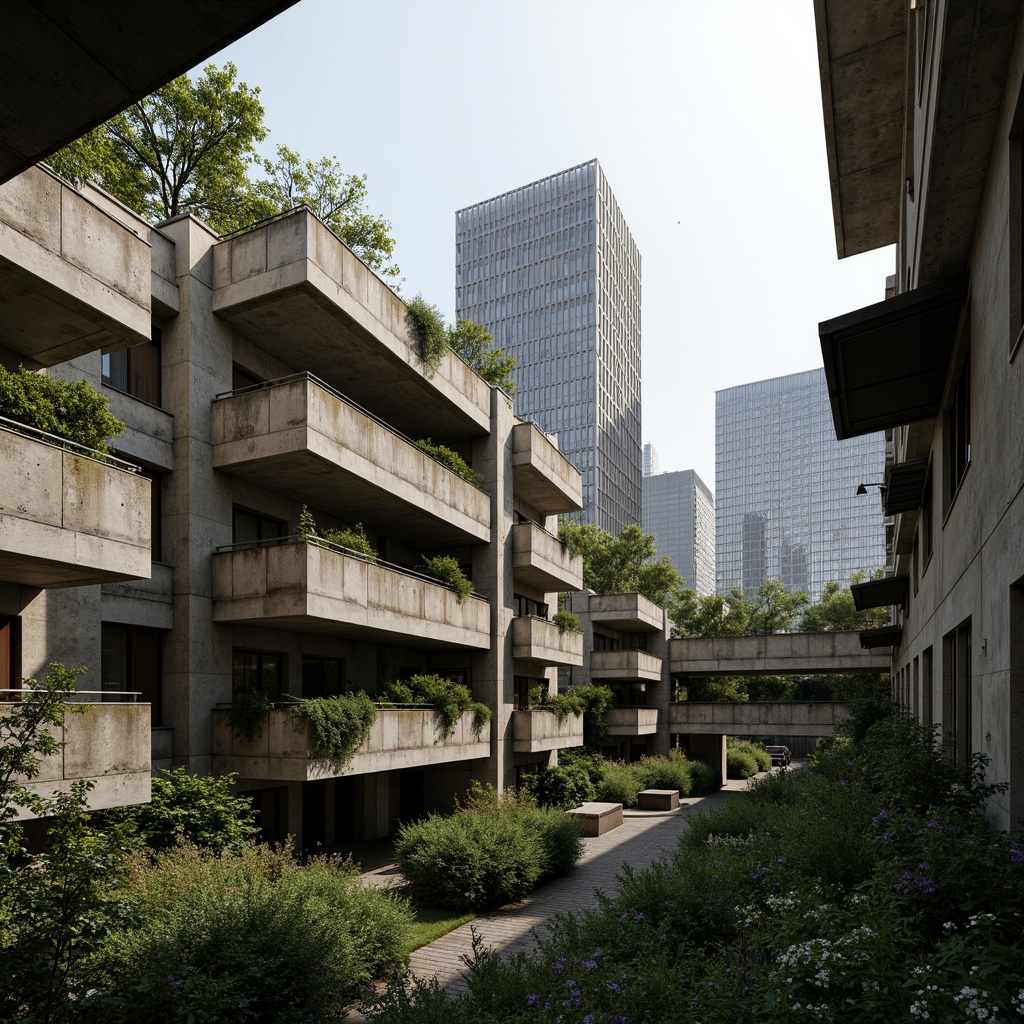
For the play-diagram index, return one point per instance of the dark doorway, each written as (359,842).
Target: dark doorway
(314,827)
(411,802)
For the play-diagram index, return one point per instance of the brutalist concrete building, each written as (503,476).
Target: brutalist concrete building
(786,503)
(257,374)
(552,271)
(679,510)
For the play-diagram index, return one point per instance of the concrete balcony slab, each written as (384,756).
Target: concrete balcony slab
(312,589)
(67,519)
(630,613)
(628,666)
(73,279)
(296,290)
(536,730)
(632,721)
(539,560)
(541,475)
(543,643)
(319,448)
(399,738)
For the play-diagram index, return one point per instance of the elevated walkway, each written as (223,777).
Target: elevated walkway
(757,718)
(781,654)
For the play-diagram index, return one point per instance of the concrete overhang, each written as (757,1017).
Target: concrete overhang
(886,364)
(861,60)
(883,593)
(628,613)
(541,475)
(294,289)
(73,279)
(68,67)
(904,486)
(884,636)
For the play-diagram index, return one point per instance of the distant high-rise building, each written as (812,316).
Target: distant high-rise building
(679,510)
(554,274)
(652,464)
(785,489)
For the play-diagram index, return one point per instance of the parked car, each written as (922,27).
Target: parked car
(781,756)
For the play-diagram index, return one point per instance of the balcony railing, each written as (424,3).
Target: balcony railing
(542,642)
(536,730)
(632,721)
(540,560)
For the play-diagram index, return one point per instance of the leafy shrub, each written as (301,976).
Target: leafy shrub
(352,538)
(589,760)
(450,699)
(427,323)
(452,459)
(561,704)
(672,772)
(248,712)
(620,783)
(596,700)
(761,757)
(703,778)
(195,809)
(70,409)
(340,724)
(446,569)
(567,622)
(253,937)
(560,786)
(740,765)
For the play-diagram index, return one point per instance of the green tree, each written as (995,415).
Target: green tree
(475,345)
(836,609)
(709,614)
(623,564)
(776,609)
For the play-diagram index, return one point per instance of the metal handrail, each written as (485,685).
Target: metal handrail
(70,695)
(306,375)
(55,441)
(296,539)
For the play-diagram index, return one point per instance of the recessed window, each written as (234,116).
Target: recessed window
(130,662)
(957,433)
(254,528)
(322,677)
(257,672)
(956,690)
(136,370)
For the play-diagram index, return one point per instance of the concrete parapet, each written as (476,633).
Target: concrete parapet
(541,475)
(780,718)
(540,560)
(635,721)
(629,666)
(542,642)
(631,613)
(536,730)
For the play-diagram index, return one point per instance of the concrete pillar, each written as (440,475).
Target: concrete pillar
(293,812)
(709,748)
(373,805)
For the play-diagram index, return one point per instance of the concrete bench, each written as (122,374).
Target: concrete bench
(596,818)
(658,799)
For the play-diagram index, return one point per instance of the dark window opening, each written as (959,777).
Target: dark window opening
(257,672)
(322,677)
(243,378)
(956,690)
(253,528)
(130,661)
(135,370)
(10,654)
(957,434)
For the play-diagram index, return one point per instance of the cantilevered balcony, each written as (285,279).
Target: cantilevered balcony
(320,448)
(72,278)
(543,643)
(632,721)
(540,560)
(108,744)
(536,730)
(314,588)
(630,613)
(541,475)
(628,666)
(399,738)
(69,516)
(295,289)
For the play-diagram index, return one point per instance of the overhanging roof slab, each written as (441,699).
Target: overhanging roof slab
(884,636)
(883,593)
(904,486)
(886,364)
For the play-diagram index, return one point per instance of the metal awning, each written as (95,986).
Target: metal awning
(884,636)
(886,364)
(883,593)
(904,486)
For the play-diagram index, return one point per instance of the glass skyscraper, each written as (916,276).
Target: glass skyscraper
(785,489)
(679,510)
(552,271)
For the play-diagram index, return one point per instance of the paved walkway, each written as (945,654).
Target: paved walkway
(639,841)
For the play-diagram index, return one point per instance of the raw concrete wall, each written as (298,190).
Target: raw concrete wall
(629,666)
(541,641)
(534,731)
(543,476)
(539,558)
(758,718)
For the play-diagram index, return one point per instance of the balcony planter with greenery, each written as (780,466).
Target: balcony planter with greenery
(428,326)
(452,459)
(352,538)
(445,569)
(560,704)
(567,622)
(449,699)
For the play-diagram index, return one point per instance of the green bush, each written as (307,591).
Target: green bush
(71,409)
(761,757)
(620,783)
(253,937)
(248,713)
(561,704)
(340,724)
(194,809)
(427,323)
(446,569)
(450,699)
(672,772)
(452,459)
(567,622)
(353,538)
(597,699)
(560,786)
(740,765)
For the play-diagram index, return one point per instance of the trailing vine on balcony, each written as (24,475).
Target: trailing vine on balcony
(452,459)
(340,725)
(446,570)
(562,705)
(247,714)
(428,327)
(448,698)
(352,538)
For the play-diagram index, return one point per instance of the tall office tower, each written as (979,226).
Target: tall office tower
(652,464)
(553,272)
(679,510)
(785,488)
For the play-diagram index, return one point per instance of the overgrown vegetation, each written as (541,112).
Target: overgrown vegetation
(427,323)
(561,704)
(596,700)
(248,714)
(446,569)
(71,409)
(452,459)
(352,538)
(450,699)
(868,888)
(495,849)
(340,725)
(567,622)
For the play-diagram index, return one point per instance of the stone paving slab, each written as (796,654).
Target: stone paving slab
(639,841)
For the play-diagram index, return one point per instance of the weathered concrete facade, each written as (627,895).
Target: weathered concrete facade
(939,363)
(275,371)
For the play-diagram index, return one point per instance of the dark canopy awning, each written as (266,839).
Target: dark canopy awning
(884,636)
(904,486)
(886,364)
(890,590)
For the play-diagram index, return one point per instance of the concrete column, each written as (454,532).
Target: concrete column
(293,812)
(709,748)
(373,805)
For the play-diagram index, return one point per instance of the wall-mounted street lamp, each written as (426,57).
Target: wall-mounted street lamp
(863,488)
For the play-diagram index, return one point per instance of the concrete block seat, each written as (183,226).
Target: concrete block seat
(598,818)
(658,799)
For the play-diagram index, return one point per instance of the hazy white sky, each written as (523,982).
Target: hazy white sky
(705,115)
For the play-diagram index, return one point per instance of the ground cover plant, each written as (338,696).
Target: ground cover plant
(868,888)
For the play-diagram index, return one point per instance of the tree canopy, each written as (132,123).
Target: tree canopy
(190,147)
(836,609)
(621,565)
(475,344)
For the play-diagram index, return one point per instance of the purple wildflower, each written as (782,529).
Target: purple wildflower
(1017,852)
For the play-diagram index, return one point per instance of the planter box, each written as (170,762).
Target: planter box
(534,731)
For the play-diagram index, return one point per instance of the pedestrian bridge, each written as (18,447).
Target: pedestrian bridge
(775,654)
(757,718)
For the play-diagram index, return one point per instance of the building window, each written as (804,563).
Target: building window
(957,433)
(927,537)
(135,370)
(523,605)
(322,677)
(10,654)
(130,662)
(956,690)
(257,672)
(253,527)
